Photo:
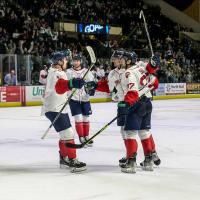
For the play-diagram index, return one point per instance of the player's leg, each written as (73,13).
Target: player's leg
(146,137)
(123,134)
(131,126)
(68,156)
(86,112)
(121,122)
(75,107)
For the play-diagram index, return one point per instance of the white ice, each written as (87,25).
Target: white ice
(29,168)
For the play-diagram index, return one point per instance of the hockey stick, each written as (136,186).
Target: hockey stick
(93,61)
(79,146)
(146,29)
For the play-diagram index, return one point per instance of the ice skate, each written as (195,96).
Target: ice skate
(89,144)
(156,159)
(122,161)
(148,163)
(129,166)
(76,166)
(64,162)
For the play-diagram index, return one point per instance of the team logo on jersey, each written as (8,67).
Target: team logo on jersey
(127,74)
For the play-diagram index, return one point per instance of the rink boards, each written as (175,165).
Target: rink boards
(33,95)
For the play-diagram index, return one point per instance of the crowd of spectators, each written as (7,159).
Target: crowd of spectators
(27,28)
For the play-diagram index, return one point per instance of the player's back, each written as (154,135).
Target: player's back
(135,79)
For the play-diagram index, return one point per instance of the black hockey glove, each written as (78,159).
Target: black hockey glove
(76,83)
(154,61)
(90,87)
(123,108)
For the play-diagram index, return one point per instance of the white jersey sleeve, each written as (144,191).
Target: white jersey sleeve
(111,80)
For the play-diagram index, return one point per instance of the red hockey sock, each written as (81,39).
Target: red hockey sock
(147,147)
(131,147)
(86,128)
(66,151)
(79,128)
(125,142)
(153,146)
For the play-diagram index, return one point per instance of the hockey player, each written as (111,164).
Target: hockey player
(137,111)
(144,79)
(55,96)
(115,86)
(114,76)
(80,103)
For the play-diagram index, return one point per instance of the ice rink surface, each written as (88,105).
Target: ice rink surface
(29,168)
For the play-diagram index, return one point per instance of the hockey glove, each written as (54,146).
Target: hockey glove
(76,83)
(154,61)
(90,87)
(123,108)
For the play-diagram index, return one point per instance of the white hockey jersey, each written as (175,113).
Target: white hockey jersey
(80,94)
(52,101)
(114,81)
(136,78)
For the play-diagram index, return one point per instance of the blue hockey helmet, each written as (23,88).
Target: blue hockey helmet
(78,56)
(130,55)
(60,55)
(118,53)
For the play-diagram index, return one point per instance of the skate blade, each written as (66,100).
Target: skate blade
(89,145)
(64,166)
(75,170)
(149,168)
(128,170)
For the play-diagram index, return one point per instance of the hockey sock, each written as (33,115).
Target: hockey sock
(66,151)
(86,128)
(152,143)
(125,142)
(147,147)
(79,128)
(131,147)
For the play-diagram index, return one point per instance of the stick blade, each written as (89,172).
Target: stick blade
(140,15)
(91,53)
(74,146)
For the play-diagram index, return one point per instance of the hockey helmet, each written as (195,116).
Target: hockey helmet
(60,55)
(117,54)
(78,57)
(130,55)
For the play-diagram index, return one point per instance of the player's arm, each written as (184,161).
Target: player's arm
(152,84)
(101,86)
(63,85)
(111,81)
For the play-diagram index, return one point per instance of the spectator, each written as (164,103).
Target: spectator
(10,78)
(43,76)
